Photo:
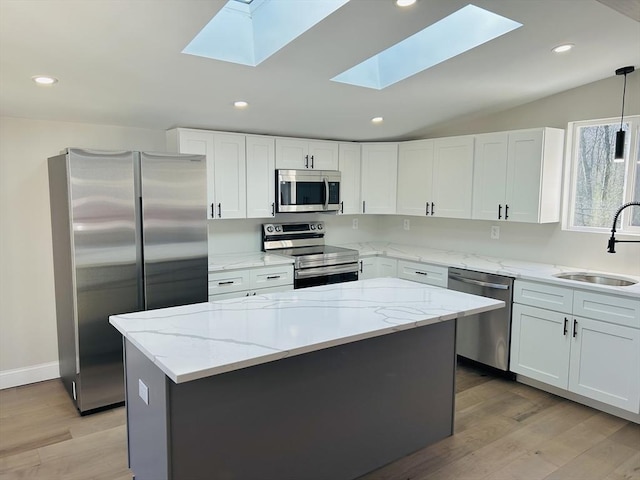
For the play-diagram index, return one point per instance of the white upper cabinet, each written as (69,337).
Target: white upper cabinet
(415,178)
(379,177)
(260,177)
(435,177)
(349,166)
(297,154)
(517,175)
(225,154)
(452,177)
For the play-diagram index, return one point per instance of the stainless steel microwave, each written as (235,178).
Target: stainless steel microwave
(307,190)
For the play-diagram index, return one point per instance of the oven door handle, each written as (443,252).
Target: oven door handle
(497,286)
(330,270)
(326,193)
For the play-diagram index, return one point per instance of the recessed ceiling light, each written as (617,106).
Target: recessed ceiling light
(377,120)
(405,3)
(563,48)
(44,80)
(240,104)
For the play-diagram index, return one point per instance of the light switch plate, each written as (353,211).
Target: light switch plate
(407,224)
(495,232)
(355,223)
(143,391)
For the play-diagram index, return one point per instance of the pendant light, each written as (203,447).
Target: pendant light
(619,154)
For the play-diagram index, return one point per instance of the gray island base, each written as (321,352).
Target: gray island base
(324,383)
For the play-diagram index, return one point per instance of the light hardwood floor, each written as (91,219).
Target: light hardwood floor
(504,430)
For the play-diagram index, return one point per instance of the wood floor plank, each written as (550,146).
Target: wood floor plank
(629,470)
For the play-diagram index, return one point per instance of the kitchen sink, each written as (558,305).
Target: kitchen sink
(597,278)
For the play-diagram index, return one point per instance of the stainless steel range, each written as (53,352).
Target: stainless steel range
(315,263)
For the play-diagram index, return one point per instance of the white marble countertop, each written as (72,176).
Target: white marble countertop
(246,260)
(204,339)
(521,269)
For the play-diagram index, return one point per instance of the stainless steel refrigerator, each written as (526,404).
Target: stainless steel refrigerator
(129,234)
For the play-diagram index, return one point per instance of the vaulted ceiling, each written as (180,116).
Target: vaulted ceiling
(119,62)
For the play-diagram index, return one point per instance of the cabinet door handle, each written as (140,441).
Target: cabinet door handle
(342,207)
(306,161)
(230,282)
(219,210)
(433,208)
(312,161)
(506,211)
(361,262)
(213,213)
(363,206)
(273,209)
(426,211)
(575,328)
(566,323)
(273,277)
(499,212)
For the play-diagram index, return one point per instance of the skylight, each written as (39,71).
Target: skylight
(461,31)
(248,32)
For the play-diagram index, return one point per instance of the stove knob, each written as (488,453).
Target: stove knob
(312,226)
(269,229)
(319,226)
(278,228)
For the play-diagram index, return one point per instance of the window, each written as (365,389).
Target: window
(600,184)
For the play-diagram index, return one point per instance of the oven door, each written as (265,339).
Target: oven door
(312,277)
(307,191)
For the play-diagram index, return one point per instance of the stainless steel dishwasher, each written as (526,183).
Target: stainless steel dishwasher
(485,337)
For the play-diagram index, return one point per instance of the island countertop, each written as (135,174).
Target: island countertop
(200,340)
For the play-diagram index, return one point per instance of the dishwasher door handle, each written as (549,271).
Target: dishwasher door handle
(497,286)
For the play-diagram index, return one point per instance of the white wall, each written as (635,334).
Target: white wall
(28,343)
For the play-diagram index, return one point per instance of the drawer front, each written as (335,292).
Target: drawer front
(272,276)
(608,308)
(250,293)
(541,295)
(228,281)
(423,273)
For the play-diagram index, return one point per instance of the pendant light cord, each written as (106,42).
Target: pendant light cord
(624,91)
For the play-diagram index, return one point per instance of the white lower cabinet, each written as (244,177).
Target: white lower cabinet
(598,358)
(249,282)
(376,267)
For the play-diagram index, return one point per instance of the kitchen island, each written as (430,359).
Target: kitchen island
(317,383)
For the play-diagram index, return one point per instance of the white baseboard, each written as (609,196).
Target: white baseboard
(26,375)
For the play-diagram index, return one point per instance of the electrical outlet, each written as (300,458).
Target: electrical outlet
(495,232)
(407,224)
(355,223)
(143,391)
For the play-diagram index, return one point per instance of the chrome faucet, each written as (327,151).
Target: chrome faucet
(612,241)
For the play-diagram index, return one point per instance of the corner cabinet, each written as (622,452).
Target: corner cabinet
(298,154)
(226,168)
(349,166)
(379,177)
(518,175)
(584,342)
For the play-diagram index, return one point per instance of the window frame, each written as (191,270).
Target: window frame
(632,150)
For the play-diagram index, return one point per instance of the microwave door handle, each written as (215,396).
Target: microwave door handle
(326,193)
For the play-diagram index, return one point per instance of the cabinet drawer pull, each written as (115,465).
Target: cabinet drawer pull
(273,277)
(422,273)
(575,328)
(229,282)
(566,322)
